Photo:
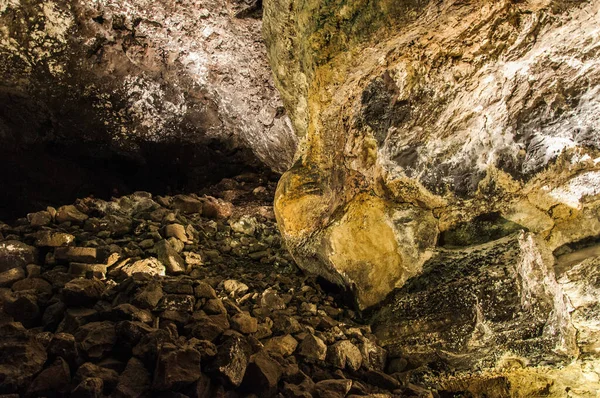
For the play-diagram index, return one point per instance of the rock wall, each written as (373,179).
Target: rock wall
(183,85)
(417,117)
(449,155)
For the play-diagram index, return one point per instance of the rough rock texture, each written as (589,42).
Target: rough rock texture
(430,127)
(167,88)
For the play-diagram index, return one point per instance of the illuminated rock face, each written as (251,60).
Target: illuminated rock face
(182,84)
(450,154)
(417,118)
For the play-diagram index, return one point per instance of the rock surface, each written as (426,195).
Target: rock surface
(418,119)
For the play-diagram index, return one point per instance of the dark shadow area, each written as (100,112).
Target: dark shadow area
(481,229)
(35,177)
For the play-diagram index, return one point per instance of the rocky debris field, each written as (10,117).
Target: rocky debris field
(177,296)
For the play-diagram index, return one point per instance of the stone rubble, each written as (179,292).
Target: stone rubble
(153,296)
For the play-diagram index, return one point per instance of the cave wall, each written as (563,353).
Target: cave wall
(449,157)
(140,89)
(435,112)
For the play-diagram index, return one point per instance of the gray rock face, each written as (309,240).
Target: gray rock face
(174,86)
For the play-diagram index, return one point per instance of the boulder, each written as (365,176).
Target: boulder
(176,368)
(168,256)
(262,375)
(134,382)
(82,292)
(229,366)
(55,380)
(16,254)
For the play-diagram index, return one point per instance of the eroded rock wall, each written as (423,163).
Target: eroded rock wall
(417,117)
(449,156)
(180,84)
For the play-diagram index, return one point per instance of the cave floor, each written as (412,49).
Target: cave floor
(179,295)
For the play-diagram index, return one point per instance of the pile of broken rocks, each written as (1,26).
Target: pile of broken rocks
(176,296)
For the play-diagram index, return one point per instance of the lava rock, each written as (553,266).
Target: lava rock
(11,275)
(96,339)
(187,204)
(90,387)
(109,377)
(235,288)
(70,213)
(21,357)
(77,254)
(39,219)
(332,388)
(204,290)
(53,239)
(231,361)
(344,353)
(244,323)
(262,375)
(52,381)
(134,382)
(313,348)
(63,345)
(176,367)
(82,292)
(282,345)
(16,254)
(176,231)
(170,258)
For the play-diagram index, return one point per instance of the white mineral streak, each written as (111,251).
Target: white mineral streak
(480,121)
(572,193)
(224,57)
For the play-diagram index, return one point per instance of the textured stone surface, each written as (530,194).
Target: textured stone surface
(417,117)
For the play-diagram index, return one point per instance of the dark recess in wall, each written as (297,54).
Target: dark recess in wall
(54,174)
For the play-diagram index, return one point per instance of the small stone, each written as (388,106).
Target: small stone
(96,339)
(245,225)
(344,353)
(109,377)
(313,348)
(176,231)
(146,244)
(231,361)
(235,288)
(90,387)
(177,302)
(53,239)
(82,292)
(148,296)
(15,254)
(53,380)
(53,315)
(176,244)
(214,307)
(77,254)
(204,290)
(33,270)
(262,374)
(134,382)
(216,208)
(308,308)
(333,388)
(63,345)
(202,387)
(38,285)
(21,358)
(176,367)
(244,323)
(84,269)
(193,259)
(23,308)
(150,266)
(39,219)
(186,204)
(374,357)
(70,213)
(10,276)
(128,312)
(282,345)
(170,258)
(271,301)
